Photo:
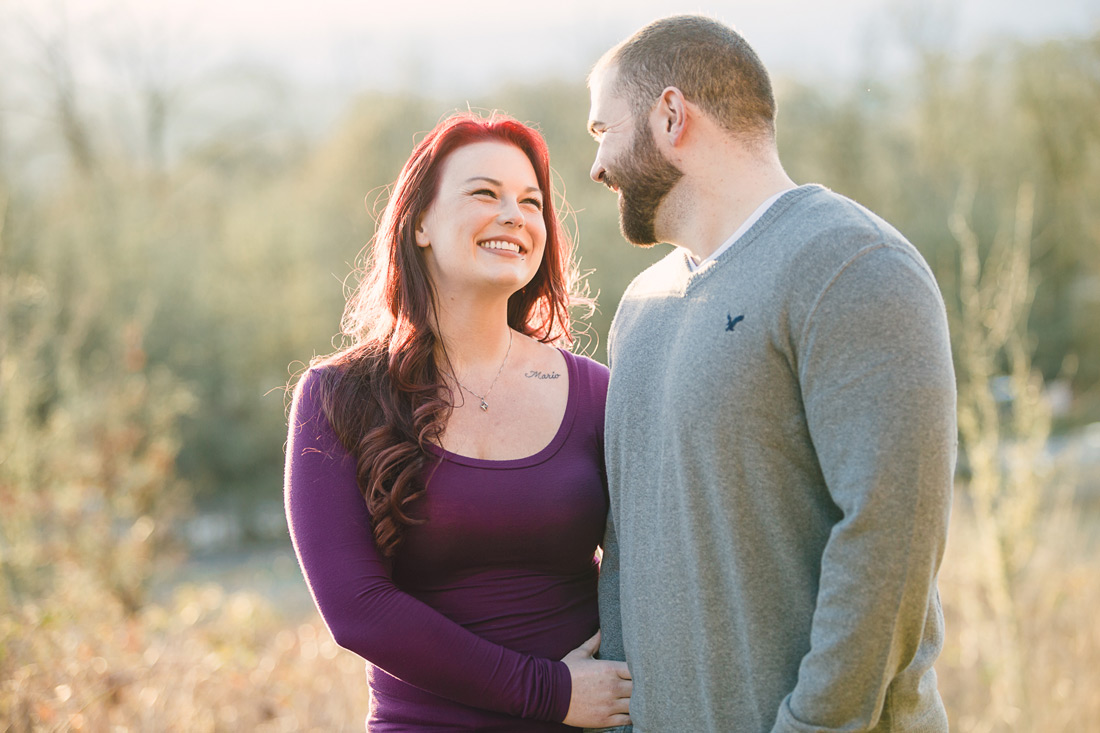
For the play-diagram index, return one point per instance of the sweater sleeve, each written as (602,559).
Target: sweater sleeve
(611,626)
(363,608)
(879,392)
(611,623)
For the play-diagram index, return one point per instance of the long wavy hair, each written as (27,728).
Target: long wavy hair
(383,392)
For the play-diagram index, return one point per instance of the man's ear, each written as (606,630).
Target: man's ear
(672,113)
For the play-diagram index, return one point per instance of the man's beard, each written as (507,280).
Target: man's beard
(644,177)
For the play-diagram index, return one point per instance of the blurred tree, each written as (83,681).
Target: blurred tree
(164,275)
(88,430)
(233,252)
(1057,89)
(55,66)
(1010,115)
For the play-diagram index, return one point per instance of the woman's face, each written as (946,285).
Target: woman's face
(484,231)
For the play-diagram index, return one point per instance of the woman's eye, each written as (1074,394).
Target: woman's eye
(485,192)
(537,203)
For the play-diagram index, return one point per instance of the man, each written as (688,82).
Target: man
(780,426)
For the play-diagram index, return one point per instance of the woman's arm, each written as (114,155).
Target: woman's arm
(369,615)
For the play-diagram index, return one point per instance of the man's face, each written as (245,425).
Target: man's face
(629,162)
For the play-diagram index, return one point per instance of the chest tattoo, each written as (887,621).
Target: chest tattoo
(535,374)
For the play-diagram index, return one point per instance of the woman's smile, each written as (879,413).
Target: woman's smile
(503,245)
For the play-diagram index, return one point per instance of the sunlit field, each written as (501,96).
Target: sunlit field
(1034,668)
(212,660)
(166,271)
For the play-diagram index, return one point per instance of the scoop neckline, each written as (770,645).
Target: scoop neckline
(542,454)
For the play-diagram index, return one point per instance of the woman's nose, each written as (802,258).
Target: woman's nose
(510,214)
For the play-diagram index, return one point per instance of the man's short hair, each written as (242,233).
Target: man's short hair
(708,61)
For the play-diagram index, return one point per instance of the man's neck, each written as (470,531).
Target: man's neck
(715,197)
(741,231)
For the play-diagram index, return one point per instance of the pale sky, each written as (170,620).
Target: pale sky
(295,64)
(455,46)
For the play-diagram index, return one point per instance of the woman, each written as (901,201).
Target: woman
(444,485)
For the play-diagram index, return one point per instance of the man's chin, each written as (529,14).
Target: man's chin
(637,232)
(643,242)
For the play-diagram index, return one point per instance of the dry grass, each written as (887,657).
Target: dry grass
(1055,597)
(1017,579)
(206,661)
(209,660)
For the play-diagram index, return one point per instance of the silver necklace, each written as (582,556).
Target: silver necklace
(484,397)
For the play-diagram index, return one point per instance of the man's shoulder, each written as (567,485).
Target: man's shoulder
(824,215)
(824,231)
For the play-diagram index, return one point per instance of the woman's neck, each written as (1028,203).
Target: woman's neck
(475,336)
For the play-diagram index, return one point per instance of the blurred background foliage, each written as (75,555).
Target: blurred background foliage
(172,255)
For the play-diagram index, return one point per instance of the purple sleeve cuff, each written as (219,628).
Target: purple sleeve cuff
(561,692)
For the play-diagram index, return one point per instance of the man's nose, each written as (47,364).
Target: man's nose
(598,170)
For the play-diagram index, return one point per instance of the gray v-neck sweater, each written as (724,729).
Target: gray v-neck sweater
(780,437)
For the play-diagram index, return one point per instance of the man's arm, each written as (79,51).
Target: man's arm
(879,392)
(611,625)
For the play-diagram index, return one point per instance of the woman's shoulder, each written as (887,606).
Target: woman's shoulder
(305,404)
(329,372)
(312,381)
(313,385)
(588,365)
(592,376)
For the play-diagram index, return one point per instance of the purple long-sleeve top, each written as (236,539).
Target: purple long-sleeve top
(466,627)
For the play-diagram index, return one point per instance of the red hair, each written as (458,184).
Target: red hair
(384,393)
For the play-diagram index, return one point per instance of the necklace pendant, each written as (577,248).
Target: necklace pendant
(484,404)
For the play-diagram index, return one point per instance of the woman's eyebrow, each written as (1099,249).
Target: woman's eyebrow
(495,182)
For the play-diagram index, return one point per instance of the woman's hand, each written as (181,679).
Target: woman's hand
(601,689)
